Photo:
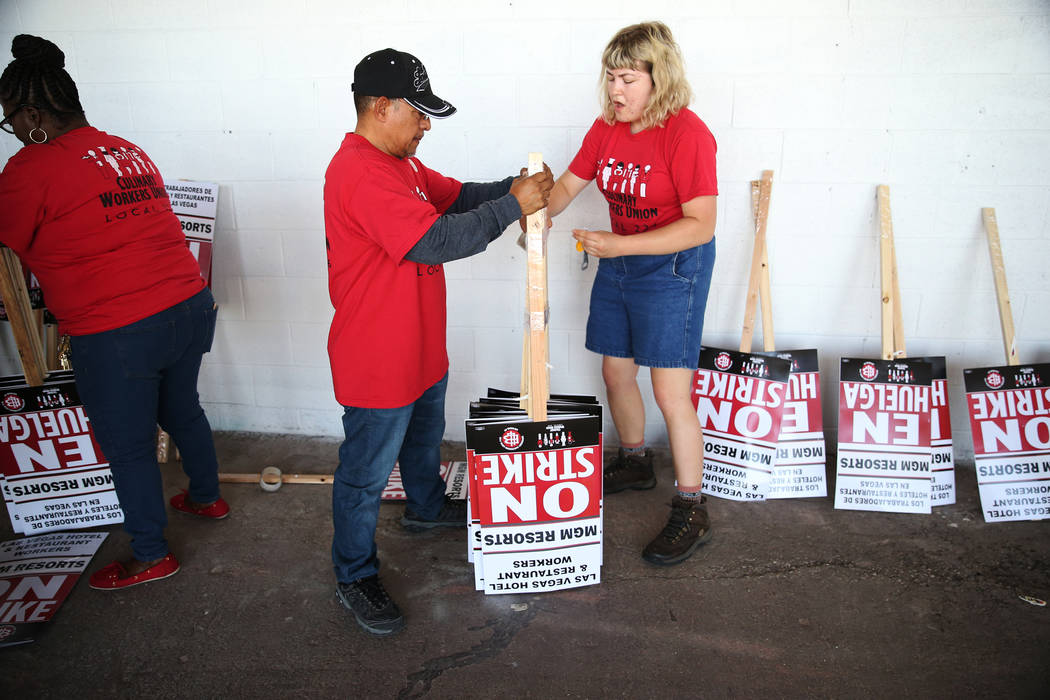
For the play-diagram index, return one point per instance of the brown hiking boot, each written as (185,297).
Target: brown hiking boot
(629,471)
(686,529)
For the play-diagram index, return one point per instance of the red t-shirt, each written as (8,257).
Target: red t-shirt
(88,214)
(646,177)
(387,341)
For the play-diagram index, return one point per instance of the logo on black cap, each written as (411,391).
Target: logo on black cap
(396,74)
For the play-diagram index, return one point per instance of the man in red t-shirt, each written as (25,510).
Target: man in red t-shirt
(390,224)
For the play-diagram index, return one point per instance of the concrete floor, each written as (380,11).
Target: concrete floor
(790,599)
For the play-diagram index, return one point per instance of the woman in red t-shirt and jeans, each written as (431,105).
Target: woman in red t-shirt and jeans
(88,214)
(654,162)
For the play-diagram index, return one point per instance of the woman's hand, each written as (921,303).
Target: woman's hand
(600,244)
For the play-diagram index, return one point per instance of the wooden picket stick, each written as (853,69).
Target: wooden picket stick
(536,282)
(1002,295)
(892,324)
(23,322)
(758,280)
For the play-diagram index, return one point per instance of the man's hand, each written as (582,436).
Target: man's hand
(533,191)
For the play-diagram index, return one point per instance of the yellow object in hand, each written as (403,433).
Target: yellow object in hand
(579,246)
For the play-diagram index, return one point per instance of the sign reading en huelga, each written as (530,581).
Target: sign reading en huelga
(55,476)
(536,495)
(801,464)
(195,204)
(884,436)
(36,575)
(1010,422)
(739,398)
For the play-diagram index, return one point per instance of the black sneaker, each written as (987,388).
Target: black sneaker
(368,601)
(686,529)
(453,514)
(629,471)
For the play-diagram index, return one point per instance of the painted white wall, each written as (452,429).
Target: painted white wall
(946,102)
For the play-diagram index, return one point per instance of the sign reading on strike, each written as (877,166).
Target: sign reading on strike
(536,498)
(884,436)
(801,463)
(942,461)
(36,575)
(195,204)
(55,476)
(1010,422)
(739,398)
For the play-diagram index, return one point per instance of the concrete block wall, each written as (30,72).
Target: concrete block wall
(946,102)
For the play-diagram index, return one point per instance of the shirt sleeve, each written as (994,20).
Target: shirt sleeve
(22,201)
(585,164)
(456,236)
(692,160)
(442,191)
(385,209)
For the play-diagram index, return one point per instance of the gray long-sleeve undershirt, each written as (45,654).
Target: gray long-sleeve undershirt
(480,214)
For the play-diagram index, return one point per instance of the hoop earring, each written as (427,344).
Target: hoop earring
(36,129)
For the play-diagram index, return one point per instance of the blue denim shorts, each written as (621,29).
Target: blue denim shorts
(651,307)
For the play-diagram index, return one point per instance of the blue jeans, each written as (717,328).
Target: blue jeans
(134,377)
(376,438)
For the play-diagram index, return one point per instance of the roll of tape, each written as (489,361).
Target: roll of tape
(270,472)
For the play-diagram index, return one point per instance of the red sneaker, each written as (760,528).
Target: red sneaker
(115,576)
(216,511)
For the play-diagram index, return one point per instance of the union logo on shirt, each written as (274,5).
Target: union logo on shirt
(623,177)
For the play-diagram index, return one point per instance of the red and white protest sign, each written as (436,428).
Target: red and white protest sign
(801,464)
(942,461)
(536,511)
(55,476)
(884,436)
(454,474)
(36,575)
(739,398)
(1010,422)
(195,204)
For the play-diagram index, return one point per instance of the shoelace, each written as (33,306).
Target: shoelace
(677,525)
(374,593)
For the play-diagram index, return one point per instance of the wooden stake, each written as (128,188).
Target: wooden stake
(536,280)
(229,478)
(1002,295)
(758,280)
(23,321)
(888,265)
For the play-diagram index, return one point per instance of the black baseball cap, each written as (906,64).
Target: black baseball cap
(392,73)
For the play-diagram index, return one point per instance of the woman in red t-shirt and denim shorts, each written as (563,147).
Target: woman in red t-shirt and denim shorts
(654,162)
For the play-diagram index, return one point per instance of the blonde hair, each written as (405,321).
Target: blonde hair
(648,46)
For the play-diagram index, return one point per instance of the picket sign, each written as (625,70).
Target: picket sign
(799,467)
(885,409)
(535,377)
(1009,421)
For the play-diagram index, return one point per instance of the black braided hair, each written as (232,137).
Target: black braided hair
(38,77)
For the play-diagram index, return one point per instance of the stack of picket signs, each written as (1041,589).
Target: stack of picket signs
(760,412)
(535,494)
(54,475)
(36,575)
